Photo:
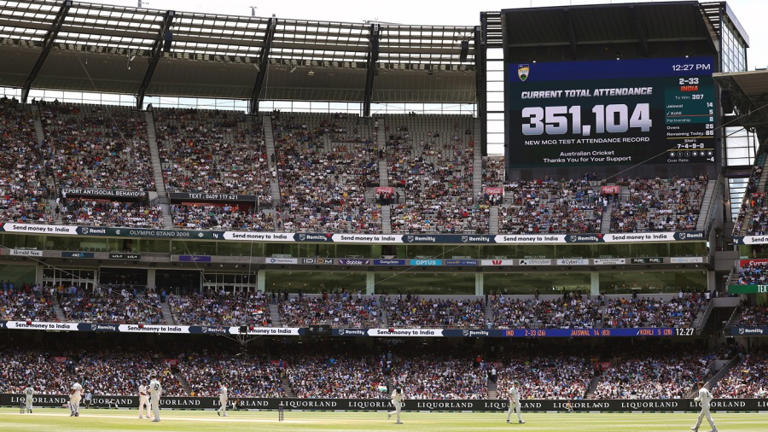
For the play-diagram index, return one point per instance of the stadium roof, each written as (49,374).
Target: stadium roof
(748,92)
(107,48)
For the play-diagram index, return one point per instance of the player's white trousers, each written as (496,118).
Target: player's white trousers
(155,409)
(143,406)
(74,404)
(28,403)
(398,407)
(223,408)
(516,409)
(705,413)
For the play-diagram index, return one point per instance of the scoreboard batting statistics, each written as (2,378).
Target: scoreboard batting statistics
(659,110)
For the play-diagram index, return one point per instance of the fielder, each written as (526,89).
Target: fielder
(397,402)
(155,390)
(704,397)
(222,411)
(143,401)
(514,403)
(29,394)
(75,394)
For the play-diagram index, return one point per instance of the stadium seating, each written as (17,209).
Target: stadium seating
(652,376)
(596,312)
(549,206)
(545,377)
(747,379)
(25,180)
(112,306)
(659,205)
(97,146)
(21,305)
(224,310)
(430,166)
(754,273)
(335,310)
(212,152)
(326,164)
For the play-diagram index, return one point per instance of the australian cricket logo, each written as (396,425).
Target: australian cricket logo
(523,71)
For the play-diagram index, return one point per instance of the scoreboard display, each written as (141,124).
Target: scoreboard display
(604,112)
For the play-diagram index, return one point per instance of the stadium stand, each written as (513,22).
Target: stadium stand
(326,165)
(25,167)
(748,379)
(545,377)
(659,205)
(111,305)
(652,376)
(338,310)
(30,303)
(575,311)
(212,152)
(222,309)
(430,167)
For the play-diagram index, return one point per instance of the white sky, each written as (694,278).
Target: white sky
(751,13)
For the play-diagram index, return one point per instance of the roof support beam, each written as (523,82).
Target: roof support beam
(642,34)
(571,32)
(47,45)
(370,75)
(253,104)
(480,87)
(157,50)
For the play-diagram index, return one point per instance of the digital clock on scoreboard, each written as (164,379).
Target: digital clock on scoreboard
(610,112)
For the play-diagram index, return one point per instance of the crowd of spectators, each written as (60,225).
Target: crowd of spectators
(752,316)
(754,273)
(342,376)
(100,212)
(98,146)
(545,377)
(337,310)
(224,309)
(100,373)
(430,163)
(549,206)
(576,311)
(27,303)
(425,377)
(412,311)
(244,376)
(753,199)
(108,304)
(325,166)
(25,167)
(748,379)
(224,216)
(212,152)
(659,205)
(657,376)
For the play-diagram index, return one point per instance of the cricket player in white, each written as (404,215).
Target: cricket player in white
(143,401)
(704,398)
(514,403)
(397,402)
(75,394)
(155,390)
(222,411)
(29,394)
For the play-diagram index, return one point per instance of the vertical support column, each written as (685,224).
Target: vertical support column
(594,283)
(261,277)
(151,281)
(479,284)
(38,274)
(711,281)
(370,283)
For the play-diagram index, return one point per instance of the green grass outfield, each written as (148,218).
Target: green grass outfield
(57,419)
